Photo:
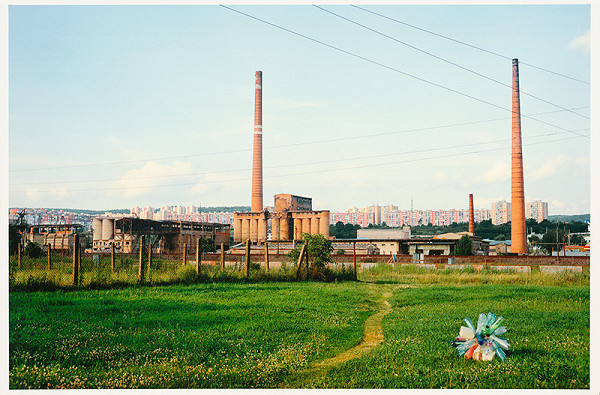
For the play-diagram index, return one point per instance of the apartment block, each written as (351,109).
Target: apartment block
(537,210)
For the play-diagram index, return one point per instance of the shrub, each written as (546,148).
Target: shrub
(464,246)
(319,251)
(33,250)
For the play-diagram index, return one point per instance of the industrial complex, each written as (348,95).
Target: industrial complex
(164,236)
(292,216)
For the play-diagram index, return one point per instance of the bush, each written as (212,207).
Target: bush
(319,251)
(33,250)
(340,251)
(464,246)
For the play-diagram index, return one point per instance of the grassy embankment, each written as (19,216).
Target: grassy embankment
(228,335)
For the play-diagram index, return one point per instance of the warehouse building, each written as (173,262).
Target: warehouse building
(164,236)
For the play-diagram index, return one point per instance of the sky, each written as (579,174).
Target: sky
(123,106)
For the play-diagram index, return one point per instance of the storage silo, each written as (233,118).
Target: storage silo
(97,229)
(108,226)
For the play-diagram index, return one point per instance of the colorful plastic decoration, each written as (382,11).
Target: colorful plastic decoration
(481,343)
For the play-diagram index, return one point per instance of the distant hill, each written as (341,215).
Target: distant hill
(569,218)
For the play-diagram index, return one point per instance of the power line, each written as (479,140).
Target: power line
(312,171)
(124,162)
(467,44)
(295,164)
(444,60)
(367,59)
(273,147)
(389,67)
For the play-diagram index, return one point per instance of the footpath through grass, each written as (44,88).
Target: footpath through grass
(236,335)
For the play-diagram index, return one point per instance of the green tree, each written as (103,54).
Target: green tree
(14,238)
(577,240)
(319,252)
(207,244)
(343,231)
(464,246)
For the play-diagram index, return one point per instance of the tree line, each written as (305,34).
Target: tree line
(545,231)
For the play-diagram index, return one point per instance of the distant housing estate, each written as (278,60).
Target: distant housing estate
(393,217)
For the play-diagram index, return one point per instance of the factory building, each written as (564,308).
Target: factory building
(59,237)
(164,236)
(292,215)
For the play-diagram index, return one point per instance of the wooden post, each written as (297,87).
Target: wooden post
(149,254)
(300,260)
(75,262)
(247,263)
(266,256)
(354,253)
(49,257)
(198,256)
(112,256)
(184,254)
(307,263)
(222,257)
(141,261)
(19,255)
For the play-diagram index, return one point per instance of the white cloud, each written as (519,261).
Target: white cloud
(500,172)
(557,204)
(548,169)
(291,104)
(581,43)
(143,180)
(486,203)
(32,194)
(440,177)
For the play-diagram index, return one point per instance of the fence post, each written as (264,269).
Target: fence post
(300,260)
(354,253)
(184,254)
(141,261)
(149,254)
(307,264)
(75,261)
(198,256)
(222,257)
(247,263)
(266,256)
(49,257)
(19,255)
(112,256)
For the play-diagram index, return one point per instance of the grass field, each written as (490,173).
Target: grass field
(265,334)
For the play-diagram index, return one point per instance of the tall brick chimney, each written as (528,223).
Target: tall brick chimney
(471,215)
(517,214)
(257,174)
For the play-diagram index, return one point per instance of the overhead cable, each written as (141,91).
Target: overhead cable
(391,68)
(445,60)
(467,44)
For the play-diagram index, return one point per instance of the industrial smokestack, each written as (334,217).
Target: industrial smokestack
(257,176)
(471,215)
(517,229)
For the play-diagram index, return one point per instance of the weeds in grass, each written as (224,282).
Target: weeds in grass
(411,274)
(184,336)
(34,276)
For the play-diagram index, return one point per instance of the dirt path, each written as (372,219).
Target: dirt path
(372,336)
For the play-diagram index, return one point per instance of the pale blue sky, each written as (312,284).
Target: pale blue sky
(169,91)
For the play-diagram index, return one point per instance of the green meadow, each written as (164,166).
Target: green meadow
(268,334)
